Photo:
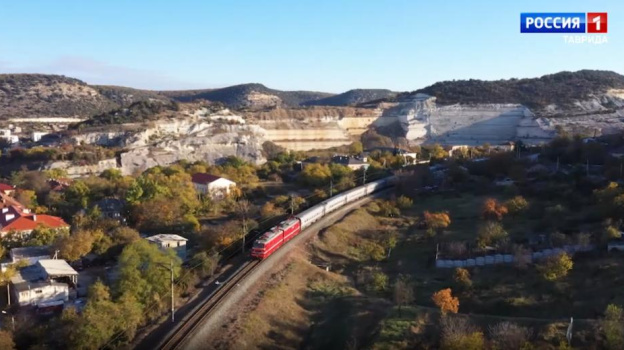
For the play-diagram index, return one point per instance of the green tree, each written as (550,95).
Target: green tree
(315,175)
(356,148)
(77,194)
(379,282)
(555,267)
(144,275)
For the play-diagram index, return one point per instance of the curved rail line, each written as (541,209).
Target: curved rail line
(189,325)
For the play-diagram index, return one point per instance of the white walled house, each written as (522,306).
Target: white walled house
(175,242)
(211,185)
(40,292)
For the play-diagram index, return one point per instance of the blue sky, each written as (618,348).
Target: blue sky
(325,45)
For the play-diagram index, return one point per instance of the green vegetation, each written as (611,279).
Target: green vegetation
(560,88)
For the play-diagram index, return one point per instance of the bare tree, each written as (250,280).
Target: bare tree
(456,328)
(403,292)
(507,335)
(244,209)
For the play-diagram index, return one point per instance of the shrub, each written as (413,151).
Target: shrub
(555,267)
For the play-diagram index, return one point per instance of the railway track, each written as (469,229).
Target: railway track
(189,325)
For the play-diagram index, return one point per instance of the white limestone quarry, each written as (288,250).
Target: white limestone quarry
(196,138)
(424,121)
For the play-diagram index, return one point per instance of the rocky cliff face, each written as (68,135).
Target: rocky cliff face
(423,120)
(196,137)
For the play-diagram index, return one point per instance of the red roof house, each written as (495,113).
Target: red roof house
(7,189)
(15,217)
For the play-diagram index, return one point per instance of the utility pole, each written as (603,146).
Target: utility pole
(170,268)
(172,296)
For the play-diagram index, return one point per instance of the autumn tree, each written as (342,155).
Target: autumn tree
(76,245)
(436,222)
(516,205)
(492,210)
(508,335)
(462,277)
(612,326)
(403,292)
(555,267)
(315,175)
(269,210)
(490,233)
(446,301)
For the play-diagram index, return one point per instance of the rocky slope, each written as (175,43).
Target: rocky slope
(248,96)
(353,97)
(40,96)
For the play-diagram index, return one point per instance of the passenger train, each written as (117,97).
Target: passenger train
(286,230)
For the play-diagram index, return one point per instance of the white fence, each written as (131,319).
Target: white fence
(508,258)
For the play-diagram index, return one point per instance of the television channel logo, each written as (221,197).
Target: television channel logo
(562,22)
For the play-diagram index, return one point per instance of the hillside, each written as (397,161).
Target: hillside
(248,96)
(353,97)
(40,95)
(562,89)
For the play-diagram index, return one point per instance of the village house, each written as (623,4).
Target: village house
(353,163)
(211,185)
(7,189)
(44,284)
(170,241)
(14,217)
(111,208)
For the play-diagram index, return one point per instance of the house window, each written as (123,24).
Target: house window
(38,291)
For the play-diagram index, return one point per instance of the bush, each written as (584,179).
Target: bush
(404,202)
(555,267)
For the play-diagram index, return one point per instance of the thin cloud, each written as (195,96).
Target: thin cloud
(102,73)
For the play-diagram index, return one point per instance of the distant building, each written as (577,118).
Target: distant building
(6,135)
(211,185)
(7,189)
(36,136)
(351,162)
(170,241)
(111,208)
(59,185)
(30,255)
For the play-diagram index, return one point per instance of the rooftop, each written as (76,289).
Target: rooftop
(203,178)
(27,252)
(166,238)
(29,221)
(57,267)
